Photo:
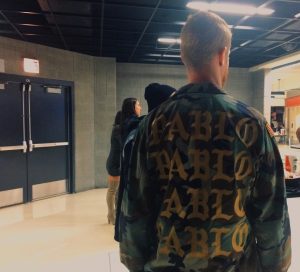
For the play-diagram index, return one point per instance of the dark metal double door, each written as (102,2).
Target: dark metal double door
(34,140)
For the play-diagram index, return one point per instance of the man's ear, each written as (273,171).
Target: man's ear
(223,56)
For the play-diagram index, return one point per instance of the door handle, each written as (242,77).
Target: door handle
(44,145)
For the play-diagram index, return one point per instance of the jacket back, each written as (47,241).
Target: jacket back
(206,189)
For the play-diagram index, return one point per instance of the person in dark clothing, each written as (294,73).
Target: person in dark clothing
(131,109)
(113,168)
(155,94)
(127,117)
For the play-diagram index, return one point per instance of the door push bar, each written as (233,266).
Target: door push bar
(43,145)
(31,146)
(14,147)
(24,145)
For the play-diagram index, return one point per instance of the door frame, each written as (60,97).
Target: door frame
(69,85)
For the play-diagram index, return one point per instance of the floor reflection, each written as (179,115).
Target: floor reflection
(70,233)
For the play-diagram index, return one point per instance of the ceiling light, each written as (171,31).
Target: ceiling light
(180,23)
(153,55)
(243,27)
(163,55)
(297,15)
(29,12)
(229,8)
(28,25)
(171,56)
(246,27)
(244,43)
(169,40)
(233,8)
(198,5)
(264,11)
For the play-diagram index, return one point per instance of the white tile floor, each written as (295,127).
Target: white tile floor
(70,233)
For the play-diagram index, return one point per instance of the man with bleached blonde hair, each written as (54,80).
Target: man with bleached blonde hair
(205,48)
(206,187)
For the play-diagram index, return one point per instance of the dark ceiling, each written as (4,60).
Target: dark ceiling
(128,29)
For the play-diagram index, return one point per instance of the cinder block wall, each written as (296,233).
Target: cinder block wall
(258,86)
(239,85)
(133,78)
(105,110)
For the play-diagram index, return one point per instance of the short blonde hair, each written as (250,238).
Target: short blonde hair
(203,36)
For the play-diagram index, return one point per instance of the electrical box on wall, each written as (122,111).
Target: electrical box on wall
(31,66)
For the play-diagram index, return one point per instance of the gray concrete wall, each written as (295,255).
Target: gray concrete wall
(105,110)
(84,122)
(133,78)
(262,87)
(258,87)
(239,85)
(89,75)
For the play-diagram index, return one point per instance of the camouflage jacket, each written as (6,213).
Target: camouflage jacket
(206,190)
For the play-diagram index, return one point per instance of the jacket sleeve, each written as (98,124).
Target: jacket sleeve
(267,210)
(136,242)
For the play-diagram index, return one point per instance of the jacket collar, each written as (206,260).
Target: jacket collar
(205,87)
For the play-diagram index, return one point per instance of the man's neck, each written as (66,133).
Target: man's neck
(204,75)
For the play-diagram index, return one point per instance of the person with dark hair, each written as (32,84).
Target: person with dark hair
(113,168)
(155,94)
(131,111)
(206,189)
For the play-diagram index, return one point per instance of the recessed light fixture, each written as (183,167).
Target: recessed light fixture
(154,55)
(229,8)
(180,23)
(297,15)
(28,25)
(29,12)
(171,56)
(243,27)
(244,43)
(169,40)
(198,5)
(230,26)
(163,55)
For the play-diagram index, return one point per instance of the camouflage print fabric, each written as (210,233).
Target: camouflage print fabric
(206,189)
